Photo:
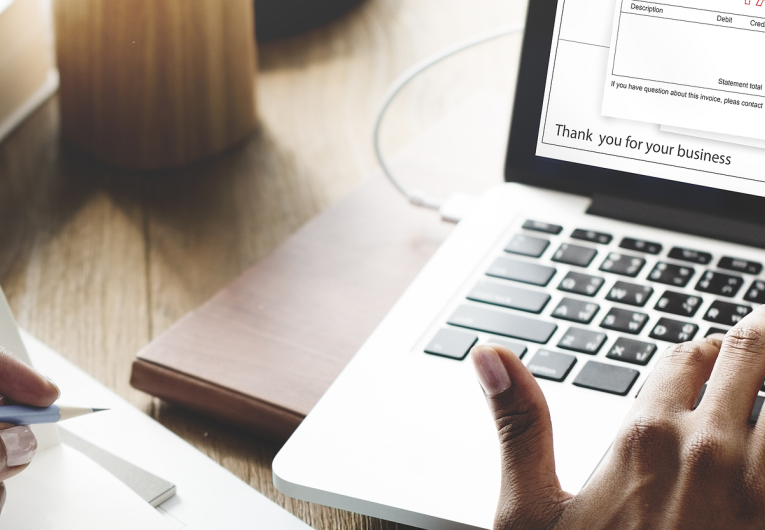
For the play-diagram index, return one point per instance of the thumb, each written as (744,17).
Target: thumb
(531,495)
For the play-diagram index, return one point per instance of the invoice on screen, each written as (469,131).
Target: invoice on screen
(692,64)
(613,114)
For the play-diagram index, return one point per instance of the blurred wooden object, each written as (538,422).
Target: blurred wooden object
(149,84)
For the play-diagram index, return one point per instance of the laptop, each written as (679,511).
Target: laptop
(599,252)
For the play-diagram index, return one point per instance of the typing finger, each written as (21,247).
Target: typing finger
(738,373)
(675,383)
(525,436)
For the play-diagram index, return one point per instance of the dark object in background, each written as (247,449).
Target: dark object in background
(277,19)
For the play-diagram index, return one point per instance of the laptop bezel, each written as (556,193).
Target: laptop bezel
(524,166)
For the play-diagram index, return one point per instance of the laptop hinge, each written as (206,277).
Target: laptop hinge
(679,220)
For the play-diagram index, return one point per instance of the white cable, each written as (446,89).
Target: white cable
(415,196)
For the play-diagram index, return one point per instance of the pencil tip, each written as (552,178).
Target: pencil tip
(99,410)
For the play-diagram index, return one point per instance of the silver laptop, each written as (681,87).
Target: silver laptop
(594,257)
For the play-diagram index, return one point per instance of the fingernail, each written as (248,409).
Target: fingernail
(51,383)
(491,371)
(20,445)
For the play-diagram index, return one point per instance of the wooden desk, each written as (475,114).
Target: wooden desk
(96,262)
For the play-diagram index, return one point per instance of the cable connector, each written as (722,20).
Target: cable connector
(421,198)
(453,207)
(457,206)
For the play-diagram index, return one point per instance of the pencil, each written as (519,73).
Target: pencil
(26,415)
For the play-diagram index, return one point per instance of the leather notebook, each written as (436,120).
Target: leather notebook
(261,353)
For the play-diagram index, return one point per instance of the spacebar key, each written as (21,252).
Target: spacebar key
(499,323)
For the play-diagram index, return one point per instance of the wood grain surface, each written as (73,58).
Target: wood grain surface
(96,261)
(148,85)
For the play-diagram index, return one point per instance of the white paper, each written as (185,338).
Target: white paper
(690,63)
(573,127)
(10,338)
(727,138)
(64,490)
(207,495)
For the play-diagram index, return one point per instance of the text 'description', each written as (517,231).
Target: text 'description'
(694,64)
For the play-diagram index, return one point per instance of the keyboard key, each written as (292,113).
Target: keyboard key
(517,348)
(592,237)
(584,284)
(632,351)
(679,304)
(756,409)
(671,274)
(740,265)
(629,293)
(640,245)
(694,256)
(451,343)
(624,265)
(527,245)
(582,341)
(606,378)
(576,310)
(625,321)
(509,296)
(756,293)
(498,323)
(720,284)
(726,313)
(674,331)
(574,255)
(539,226)
(701,395)
(713,331)
(521,271)
(551,365)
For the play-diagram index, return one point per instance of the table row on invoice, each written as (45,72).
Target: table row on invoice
(695,15)
(690,46)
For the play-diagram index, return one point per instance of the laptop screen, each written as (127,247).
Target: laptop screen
(629,97)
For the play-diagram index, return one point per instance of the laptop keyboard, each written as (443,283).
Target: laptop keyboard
(561,296)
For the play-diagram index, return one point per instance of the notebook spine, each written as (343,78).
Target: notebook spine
(261,418)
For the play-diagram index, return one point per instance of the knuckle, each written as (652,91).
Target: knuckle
(691,353)
(645,436)
(515,424)
(708,451)
(745,339)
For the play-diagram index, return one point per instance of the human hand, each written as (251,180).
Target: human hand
(19,384)
(670,466)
